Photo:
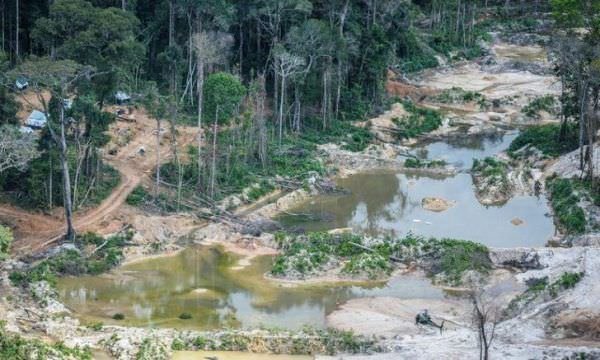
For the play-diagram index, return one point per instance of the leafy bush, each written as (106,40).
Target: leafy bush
(262,188)
(6,239)
(547,139)
(118,316)
(420,121)
(15,347)
(185,316)
(447,257)
(414,163)
(457,95)
(568,280)
(542,103)
(138,196)
(308,254)
(372,264)
(73,262)
(565,202)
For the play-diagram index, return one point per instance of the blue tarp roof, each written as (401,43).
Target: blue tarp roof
(36,119)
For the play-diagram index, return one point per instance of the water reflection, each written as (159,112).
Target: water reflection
(204,283)
(384,203)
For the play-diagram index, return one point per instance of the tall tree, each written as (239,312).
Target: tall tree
(58,77)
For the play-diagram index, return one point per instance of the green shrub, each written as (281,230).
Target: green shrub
(457,95)
(567,280)
(547,139)
(177,345)
(418,122)
(458,256)
(372,264)
(73,262)
(118,316)
(263,188)
(185,316)
(565,202)
(15,347)
(97,326)
(6,239)
(138,196)
(413,163)
(542,103)
(449,257)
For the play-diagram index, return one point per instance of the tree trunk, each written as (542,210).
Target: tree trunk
(582,110)
(17,24)
(214,156)
(281,97)
(200,104)
(157,184)
(66,177)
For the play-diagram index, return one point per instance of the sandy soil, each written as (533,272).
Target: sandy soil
(436,204)
(392,317)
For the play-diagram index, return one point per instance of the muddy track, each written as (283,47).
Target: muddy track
(34,232)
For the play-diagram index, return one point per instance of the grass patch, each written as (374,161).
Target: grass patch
(565,202)
(418,122)
(15,347)
(74,262)
(546,138)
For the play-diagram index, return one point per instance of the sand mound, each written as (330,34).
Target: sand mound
(436,204)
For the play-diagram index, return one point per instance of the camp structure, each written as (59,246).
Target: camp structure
(122,97)
(21,83)
(36,120)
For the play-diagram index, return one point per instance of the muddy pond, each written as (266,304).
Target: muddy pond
(389,203)
(208,285)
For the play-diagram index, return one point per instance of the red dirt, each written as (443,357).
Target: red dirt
(35,231)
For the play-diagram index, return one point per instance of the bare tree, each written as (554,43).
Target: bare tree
(286,65)
(211,48)
(16,148)
(486,315)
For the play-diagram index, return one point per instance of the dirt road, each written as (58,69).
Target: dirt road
(133,149)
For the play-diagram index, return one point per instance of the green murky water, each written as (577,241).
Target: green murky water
(207,283)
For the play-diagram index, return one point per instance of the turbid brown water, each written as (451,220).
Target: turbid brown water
(204,283)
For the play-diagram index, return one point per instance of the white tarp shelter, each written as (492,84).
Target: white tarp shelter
(21,83)
(122,97)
